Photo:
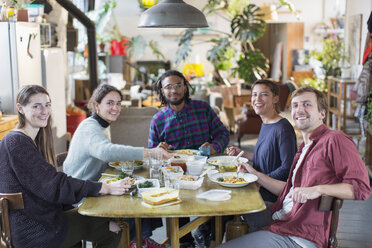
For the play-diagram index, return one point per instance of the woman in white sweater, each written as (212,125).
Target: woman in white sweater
(91,148)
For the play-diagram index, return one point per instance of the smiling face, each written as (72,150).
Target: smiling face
(263,100)
(110,106)
(36,111)
(305,112)
(174,90)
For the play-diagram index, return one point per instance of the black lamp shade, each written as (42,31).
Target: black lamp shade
(172,14)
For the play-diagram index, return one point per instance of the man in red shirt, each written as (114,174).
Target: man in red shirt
(327,162)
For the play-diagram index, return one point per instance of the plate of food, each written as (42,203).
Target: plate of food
(138,164)
(115,165)
(217,160)
(229,179)
(122,175)
(188,152)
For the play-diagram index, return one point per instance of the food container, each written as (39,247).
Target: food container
(179,161)
(190,182)
(227,166)
(195,168)
(139,183)
(175,170)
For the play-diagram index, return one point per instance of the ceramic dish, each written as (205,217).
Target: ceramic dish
(217,160)
(115,165)
(248,177)
(188,152)
(113,179)
(138,164)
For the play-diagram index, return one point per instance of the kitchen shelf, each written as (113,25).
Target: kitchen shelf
(341,101)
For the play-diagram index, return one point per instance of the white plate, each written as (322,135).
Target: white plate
(105,179)
(248,177)
(187,152)
(224,159)
(115,165)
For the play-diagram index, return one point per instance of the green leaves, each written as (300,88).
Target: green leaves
(221,54)
(184,44)
(252,65)
(248,26)
(155,50)
(331,55)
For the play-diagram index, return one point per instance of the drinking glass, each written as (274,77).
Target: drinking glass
(205,150)
(127,167)
(155,168)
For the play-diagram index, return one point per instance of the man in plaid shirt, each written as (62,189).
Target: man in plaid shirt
(184,123)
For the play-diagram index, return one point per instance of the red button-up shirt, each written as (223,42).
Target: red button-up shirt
(332,158)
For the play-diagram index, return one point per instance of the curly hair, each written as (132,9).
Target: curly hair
(158,85)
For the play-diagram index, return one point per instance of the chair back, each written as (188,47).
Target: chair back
(132,126)
(60,157)
(330,203)
(7,202)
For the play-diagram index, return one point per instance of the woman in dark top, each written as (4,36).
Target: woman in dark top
(276,145)
(27,165)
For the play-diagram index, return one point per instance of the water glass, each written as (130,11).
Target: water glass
(155,168)
(171,180)
(156,154)
(205,150)
(127,167)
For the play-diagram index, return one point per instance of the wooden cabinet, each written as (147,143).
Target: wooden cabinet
(7,123)
(341,106)
(290,35)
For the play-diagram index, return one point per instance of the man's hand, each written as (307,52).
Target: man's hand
(233,150)
(303,194)
(115,188)
(211,147)
(164,146)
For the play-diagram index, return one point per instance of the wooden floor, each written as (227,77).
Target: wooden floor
(355,225)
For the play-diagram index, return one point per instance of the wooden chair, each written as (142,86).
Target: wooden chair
(330,203)
(60,157)
(7,202)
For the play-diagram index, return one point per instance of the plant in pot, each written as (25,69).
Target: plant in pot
(330,56)
(233,52)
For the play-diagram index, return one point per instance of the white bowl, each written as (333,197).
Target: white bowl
(194,168)
(155,183)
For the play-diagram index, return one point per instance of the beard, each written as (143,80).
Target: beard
(175,103)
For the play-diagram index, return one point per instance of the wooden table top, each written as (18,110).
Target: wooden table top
(243,200)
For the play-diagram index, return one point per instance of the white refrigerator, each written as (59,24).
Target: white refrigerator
(23,62)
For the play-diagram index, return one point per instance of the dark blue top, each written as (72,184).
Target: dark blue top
(42,223)
(274,152)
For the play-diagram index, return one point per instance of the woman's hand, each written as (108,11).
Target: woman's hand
(115,188)
(233,151)
(244,167)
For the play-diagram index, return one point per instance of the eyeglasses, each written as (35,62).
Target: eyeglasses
(174,86)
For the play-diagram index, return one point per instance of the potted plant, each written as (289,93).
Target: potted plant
(330,56)
(236,47)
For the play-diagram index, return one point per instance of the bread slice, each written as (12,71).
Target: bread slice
(160,196)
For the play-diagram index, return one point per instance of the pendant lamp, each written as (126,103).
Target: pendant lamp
(172,14)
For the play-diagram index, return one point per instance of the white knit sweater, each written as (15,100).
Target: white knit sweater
(91,149)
